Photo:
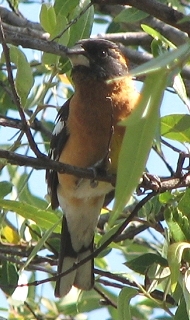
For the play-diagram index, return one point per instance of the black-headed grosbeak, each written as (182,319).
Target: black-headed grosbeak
(87,133)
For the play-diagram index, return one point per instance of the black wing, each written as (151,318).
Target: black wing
(59,138)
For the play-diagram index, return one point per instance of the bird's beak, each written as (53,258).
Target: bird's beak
(77,56)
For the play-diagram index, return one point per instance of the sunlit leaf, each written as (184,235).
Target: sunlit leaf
(24,78)
(141,126)
(168,58)
(65,7)
(157,35)
(124,299)
(41,243)
(44,218)
(185,284)
(83,26)
(175,227)
(48,17)
(10,235)
(179,87)
(176,127)
(175,252)
(183,205)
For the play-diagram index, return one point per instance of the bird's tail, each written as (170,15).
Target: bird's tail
(82,277)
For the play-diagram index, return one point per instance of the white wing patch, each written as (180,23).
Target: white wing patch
(58,127)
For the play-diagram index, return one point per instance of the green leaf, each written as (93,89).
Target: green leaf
(44,218)
(181,312)
(88,301)
(41,243)
(60,26)
(24,193)
(174,222)
(24,78)
(49,58)
(142,263)
(130,15)
(125,296)
(5,188)
(48,17)
(156,35)
(175,252)
(65,7)
(176,127)
(6,102)
(185,284)
(82,28)
(184,204)
(141,126)
(165,197)
(168,59)
(8,277)
(55,23)
(108,234)
(179,87)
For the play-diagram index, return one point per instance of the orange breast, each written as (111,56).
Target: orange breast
(92,117)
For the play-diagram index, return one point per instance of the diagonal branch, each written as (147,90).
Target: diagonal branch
(156,9)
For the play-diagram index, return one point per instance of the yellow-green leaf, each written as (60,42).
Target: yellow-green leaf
(47,17)
(44,218)
(82,28)
(24,78)
(137,142)
(41,243)
(125,296)
(175,252)
(176,127)
(10,235)
(157,35)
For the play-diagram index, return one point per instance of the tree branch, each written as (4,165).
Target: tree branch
(165,184)
(46,163)
(157,294)
(36,125)
(156,9)
(16,98)
(25,38)
(13,19)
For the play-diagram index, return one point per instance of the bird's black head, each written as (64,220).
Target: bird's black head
(101,59)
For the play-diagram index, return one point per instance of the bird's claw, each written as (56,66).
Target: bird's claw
(98,168)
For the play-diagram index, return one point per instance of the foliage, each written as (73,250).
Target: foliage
(149,227)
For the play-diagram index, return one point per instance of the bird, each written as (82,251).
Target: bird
(88,134)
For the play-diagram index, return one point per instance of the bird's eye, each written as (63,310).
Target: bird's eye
(102,54)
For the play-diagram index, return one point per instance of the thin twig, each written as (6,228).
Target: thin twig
(73,21)
(165,183)
(156,294)
(16,98)
(36,125)
(32,312)
(102,247)
(107,300)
